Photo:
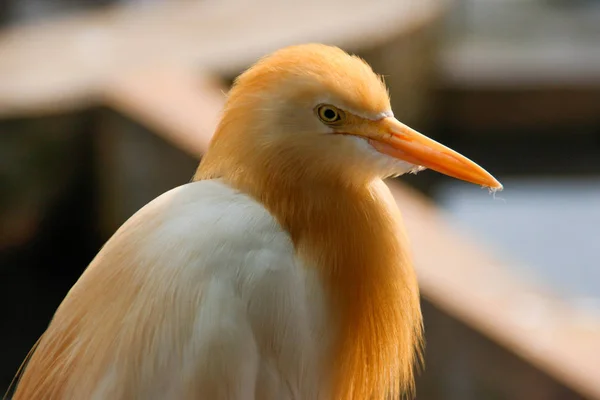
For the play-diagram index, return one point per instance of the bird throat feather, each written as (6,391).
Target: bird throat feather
(351,234)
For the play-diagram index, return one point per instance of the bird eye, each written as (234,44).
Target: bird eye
(329,114)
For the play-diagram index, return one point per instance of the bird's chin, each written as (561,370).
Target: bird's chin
(409,169)
(402,167)
(384,165)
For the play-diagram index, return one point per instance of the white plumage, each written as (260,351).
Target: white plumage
(259,325)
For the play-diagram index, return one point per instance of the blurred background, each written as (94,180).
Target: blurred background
(105,104)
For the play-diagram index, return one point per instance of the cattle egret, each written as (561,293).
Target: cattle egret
(280,272)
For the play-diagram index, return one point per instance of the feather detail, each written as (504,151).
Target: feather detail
(351,235)
(197,296)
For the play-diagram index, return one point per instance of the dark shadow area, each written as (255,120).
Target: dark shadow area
(54,238)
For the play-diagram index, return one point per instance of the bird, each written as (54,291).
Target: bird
(280,271)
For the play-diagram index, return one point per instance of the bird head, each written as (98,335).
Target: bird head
(317,105)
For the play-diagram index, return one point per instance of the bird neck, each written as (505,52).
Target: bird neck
(352,235)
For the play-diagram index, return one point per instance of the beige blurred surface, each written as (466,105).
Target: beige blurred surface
(63,63)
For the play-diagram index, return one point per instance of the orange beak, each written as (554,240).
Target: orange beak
(397,140)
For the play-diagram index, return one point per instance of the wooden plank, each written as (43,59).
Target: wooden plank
(175,101)
(456,273)
(63,64)
(509,65)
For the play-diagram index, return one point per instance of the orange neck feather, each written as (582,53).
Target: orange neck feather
(350,232)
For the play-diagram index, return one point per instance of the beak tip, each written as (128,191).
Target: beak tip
(496,186)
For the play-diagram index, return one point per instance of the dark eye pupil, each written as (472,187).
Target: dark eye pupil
(329,114)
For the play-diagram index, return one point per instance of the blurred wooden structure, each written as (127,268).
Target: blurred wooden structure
(520,85)
(64,64)
(530,66)
(162,70)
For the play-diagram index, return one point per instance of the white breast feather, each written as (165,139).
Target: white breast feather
(260,328)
